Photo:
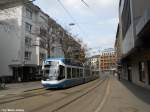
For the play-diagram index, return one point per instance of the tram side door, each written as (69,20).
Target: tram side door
(61,72)
(149,72)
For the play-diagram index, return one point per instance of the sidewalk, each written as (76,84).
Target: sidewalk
(127,97)
(17,88)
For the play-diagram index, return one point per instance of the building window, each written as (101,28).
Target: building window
(43,32)
(28,41)
(42,56)
(27,55)
(28,27)
(142,76)
(29,13)
(126,17)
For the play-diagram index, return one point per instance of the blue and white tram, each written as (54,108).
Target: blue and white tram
(64,73)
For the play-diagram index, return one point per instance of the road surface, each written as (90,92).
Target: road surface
(102,95)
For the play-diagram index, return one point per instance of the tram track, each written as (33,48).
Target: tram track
(30,94)
(76,96)
(22,96)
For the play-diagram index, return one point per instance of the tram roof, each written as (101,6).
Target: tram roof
(55,59)
(66,61)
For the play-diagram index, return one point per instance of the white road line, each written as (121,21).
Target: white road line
(2,96)
(104,99)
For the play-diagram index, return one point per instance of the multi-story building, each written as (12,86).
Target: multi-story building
(118,49)
(134,28)
(72,48)
(22,48)
(94,62)
(27,37)
(108,59)
(118,46)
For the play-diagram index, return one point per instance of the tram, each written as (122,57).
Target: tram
(64,73)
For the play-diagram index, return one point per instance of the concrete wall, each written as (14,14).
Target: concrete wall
(128,42)
(138,7)
(10,38)
(38,51)
(121,7)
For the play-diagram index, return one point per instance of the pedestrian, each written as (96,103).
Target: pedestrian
(19,79)
(119,75)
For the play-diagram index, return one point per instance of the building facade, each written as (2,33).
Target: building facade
(21,44)
(108,59)
(27,37)
(134,26)
(94,62)
(118,45)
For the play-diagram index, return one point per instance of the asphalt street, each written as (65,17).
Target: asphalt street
(102,95)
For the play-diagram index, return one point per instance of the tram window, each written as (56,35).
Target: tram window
(87,73)
(47,71)
(81,73)
(61,72)
(84,73)
(73,72)
(68,73)
(78,75)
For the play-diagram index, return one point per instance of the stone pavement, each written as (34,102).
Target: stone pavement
(127,97)
(17,88)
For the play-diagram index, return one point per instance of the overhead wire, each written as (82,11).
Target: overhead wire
(89,8)
(69,14)
(87,5)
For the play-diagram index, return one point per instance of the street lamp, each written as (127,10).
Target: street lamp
(71,24)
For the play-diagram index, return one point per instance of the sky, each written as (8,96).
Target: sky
(95,22)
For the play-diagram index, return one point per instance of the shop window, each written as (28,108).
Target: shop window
(142,76)
(27,55)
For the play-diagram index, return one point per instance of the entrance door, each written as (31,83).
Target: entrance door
(129,73)
(15,74)
(149,72)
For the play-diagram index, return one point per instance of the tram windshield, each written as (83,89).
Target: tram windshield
(51,70)
(50,64)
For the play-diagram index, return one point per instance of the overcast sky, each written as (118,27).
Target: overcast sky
(95,24)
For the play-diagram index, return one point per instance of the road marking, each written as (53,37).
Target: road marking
(2,95)
(104,99)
